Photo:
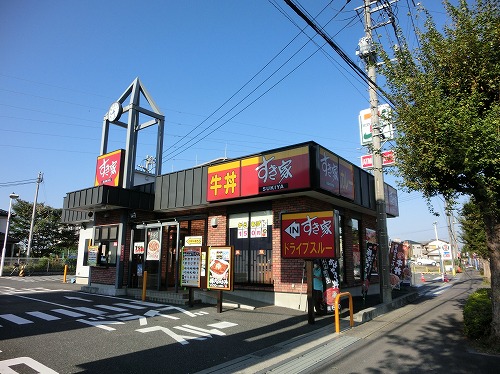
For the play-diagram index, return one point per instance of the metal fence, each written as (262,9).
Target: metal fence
(41,266)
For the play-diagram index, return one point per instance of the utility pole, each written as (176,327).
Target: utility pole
(367,52)
(38,181)
(441,265)
(449,220)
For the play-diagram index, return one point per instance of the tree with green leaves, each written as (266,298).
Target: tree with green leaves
(49,236)
(446,95)
(473,232)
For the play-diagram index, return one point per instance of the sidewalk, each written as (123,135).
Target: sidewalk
(302,352)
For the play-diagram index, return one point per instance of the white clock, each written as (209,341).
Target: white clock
(115,111)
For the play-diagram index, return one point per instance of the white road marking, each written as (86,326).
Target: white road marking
(6,366)
(15,319)
(101,325)
(223,325)
(44,316)
(78,298)
(68,313)
(113,308)
(130,306)
(93,311)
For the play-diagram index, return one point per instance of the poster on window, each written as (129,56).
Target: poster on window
(220,268)
(331,278)
(92,255)
(258,229)
(138,248)
(154,245)
(190,266)
(242,230)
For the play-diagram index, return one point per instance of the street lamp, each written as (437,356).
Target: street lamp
(12,197)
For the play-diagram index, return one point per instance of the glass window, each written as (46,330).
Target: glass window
(106,238)
(251,236)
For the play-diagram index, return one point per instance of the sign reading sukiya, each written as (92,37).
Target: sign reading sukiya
(269,173)
(109,169)
(308,235)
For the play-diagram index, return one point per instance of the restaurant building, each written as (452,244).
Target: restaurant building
(133,222)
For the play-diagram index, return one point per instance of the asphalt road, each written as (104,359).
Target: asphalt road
(51,327)
(422,337)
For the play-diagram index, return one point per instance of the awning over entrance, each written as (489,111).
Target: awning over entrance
(78,204)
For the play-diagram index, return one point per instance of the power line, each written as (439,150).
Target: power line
(339,50)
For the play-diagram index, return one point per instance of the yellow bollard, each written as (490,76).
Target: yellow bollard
(21,271)
(144,282)
(65,273)
(336,308)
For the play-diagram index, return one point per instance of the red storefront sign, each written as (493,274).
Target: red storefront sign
(109,169)
(260,175)
(308,235)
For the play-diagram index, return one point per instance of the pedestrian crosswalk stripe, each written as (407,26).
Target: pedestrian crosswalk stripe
(90,310)
(15,319)
(131,306)
(113,308)
(68,313)
(44,316)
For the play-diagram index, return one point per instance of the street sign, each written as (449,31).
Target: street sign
(365,124)
(387,160)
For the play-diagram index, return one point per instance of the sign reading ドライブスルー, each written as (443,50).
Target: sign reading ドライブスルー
(307,235)
(270,173)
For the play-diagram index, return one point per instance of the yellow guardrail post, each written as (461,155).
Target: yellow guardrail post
(144,283)
(65,273)
(337,314)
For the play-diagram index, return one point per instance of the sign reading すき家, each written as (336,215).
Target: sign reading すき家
(269,173)
(109,169)
(308,235)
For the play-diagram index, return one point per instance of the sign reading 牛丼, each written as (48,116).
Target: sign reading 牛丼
(308,235)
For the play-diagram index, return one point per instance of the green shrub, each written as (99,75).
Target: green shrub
(478,314)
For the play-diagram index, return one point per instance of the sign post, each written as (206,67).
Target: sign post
(309,236)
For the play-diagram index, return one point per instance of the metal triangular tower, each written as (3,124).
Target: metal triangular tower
(134,93)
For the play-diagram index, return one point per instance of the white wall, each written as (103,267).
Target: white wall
(82,272)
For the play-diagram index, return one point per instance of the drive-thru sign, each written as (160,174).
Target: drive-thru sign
(308,235)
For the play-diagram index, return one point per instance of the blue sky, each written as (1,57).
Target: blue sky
(62,64)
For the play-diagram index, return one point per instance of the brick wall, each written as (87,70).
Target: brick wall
(217,235)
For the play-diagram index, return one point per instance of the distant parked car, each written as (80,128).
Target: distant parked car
(426,261)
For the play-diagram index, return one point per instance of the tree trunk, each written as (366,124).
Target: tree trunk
(493,240)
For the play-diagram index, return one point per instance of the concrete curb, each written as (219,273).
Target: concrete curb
(368,314)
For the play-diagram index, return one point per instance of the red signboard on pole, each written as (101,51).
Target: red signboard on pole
(308,235)
(387,159)
(109,169)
